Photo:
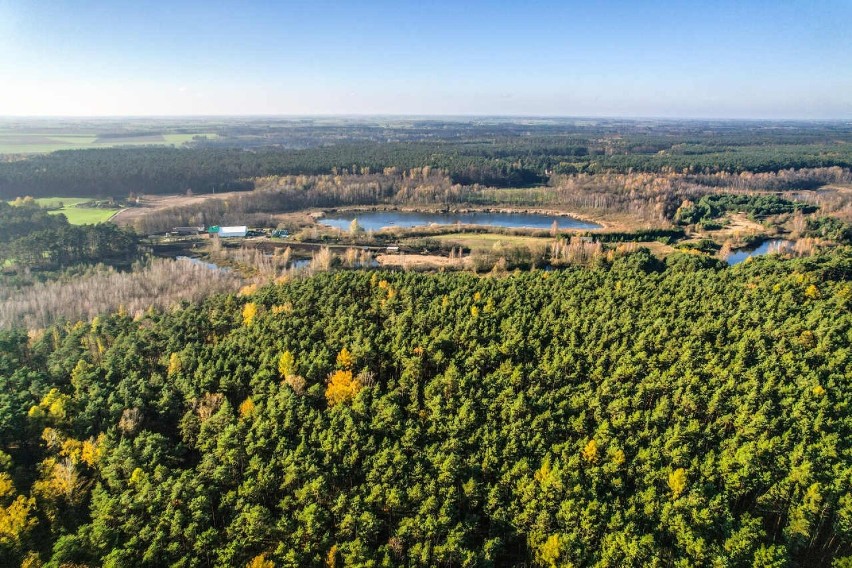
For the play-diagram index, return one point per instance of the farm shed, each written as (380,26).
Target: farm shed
(236,231)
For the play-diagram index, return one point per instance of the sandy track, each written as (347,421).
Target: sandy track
(151,203)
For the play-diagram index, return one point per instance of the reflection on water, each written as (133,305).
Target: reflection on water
(375,220)
(770,246)
(306,262)
(207,265)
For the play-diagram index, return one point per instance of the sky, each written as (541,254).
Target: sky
(679,59)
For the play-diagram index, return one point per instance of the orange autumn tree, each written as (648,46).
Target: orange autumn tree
(342,385)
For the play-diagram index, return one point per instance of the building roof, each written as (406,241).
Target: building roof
(234,231)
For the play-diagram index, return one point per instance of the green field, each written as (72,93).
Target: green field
(86,215)
(76,215)
(20,141)
(70,207)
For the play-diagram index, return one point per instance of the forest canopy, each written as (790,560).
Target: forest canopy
(637,413)
(502,154)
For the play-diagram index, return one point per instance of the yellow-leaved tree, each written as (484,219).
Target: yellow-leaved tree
(342,387)
(812,292)
(331,557)
(549,552)
(677,482)
(345,360)
(15,521)
(174,364)
(286,364)
(15,518)
(247,408)
(92,450)
(249,313)
(51,408)
(260,561)
(590,452)
(59,480)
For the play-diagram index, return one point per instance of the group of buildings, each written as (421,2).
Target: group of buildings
(226,232)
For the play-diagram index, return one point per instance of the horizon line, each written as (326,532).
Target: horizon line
(413,116)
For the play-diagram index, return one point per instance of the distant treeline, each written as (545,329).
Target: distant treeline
(500,162)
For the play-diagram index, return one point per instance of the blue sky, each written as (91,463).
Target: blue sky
(746,59)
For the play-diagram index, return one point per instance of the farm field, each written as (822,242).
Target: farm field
(86,215)
(76,215)
(23,141)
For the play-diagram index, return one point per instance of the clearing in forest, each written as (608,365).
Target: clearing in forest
(74,210)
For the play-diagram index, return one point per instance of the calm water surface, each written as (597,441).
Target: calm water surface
(199,262)
(375,220)
(739,256)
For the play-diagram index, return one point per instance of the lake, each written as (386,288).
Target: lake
(772,245)
(376,220)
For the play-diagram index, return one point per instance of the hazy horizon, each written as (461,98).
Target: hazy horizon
(447,117)
(751,60)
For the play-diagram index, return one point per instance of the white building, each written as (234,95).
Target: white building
(236,231)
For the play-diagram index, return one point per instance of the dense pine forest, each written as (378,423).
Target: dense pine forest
(32,238)
(427,284)
(634,413)
(497,154)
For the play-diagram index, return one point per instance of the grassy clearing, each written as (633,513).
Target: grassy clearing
(487,241)
(736,226)
(76,215)
(659,250)
(86,215)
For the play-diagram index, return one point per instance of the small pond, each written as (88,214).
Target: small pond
(202,263)
(772,245)
(300,263)
(375,220)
